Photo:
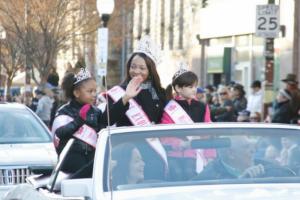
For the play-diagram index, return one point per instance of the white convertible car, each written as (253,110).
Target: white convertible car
(199,161)
(26,146)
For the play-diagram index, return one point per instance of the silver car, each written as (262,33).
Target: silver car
(26,146)
(198,161)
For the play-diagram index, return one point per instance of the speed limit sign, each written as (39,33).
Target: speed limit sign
(267,21)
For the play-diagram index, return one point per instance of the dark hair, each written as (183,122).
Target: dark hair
(210,88)
(153,75)
(256,84)
(186,79)
(239,88)
(68,86)
(121,153)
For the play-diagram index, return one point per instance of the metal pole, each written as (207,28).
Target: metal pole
(269,71)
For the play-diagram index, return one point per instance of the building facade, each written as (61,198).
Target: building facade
(216,37)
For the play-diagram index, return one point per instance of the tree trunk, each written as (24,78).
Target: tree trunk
(7,89)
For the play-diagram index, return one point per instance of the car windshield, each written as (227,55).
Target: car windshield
(21,126)
(203,156)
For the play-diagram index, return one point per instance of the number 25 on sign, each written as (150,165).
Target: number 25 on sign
(267,21)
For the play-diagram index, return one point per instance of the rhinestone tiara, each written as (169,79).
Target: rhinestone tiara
(182,69)
(148,47)
(83,74)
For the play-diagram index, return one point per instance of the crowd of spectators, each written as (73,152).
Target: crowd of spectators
(230,103)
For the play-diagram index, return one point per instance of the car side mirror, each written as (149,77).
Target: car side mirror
(77,188)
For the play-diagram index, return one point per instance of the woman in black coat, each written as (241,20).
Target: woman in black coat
(151,99)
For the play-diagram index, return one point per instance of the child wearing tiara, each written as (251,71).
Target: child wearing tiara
(81,120)
(183,108)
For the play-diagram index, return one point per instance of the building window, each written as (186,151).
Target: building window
(171,26)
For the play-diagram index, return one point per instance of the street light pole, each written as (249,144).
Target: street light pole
(105,8)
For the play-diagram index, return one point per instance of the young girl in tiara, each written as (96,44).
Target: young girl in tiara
(79,118)
(183,108)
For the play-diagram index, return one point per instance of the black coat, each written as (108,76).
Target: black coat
(283,113)
(195,109)
(80,152)
(154,164)
(152,108)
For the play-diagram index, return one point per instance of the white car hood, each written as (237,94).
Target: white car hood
(27,154)
(215,192)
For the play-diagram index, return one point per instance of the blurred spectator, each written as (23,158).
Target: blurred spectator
(239,99)
(101,101)
(292,86)
(53,78)
(255,101)
(224,112)
(288,144)
(57,102)
(45,105)
(209,91)
(243,116)
(282,109)
(255,117)
(34,102)
(200,95)
(272,154)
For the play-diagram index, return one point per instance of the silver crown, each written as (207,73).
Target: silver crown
(182,69)
(148,47)
(83,74)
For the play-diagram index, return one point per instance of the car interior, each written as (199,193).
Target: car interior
(211,146)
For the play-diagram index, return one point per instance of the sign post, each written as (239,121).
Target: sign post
(102,47)
(268,27)
(102,55)
(267,21)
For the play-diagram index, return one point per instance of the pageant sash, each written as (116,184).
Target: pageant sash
(135,113)
(179,116)
(84,133)
(138,117)
(177,113)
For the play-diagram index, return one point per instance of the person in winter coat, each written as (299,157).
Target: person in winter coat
(283,112)
(224,111)
(80,120)
(239,100)
(183,108)
(147,107)
(44,106)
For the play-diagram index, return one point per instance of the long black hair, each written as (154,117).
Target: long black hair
(153,75)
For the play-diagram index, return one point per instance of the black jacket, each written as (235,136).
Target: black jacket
(196,109)
(98,121)
(283,113)
(152,108)
(80,152)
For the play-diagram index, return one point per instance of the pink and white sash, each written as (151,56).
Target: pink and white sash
(135,113)
(177,113)
(138,117)
(179,116)
(84,133)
